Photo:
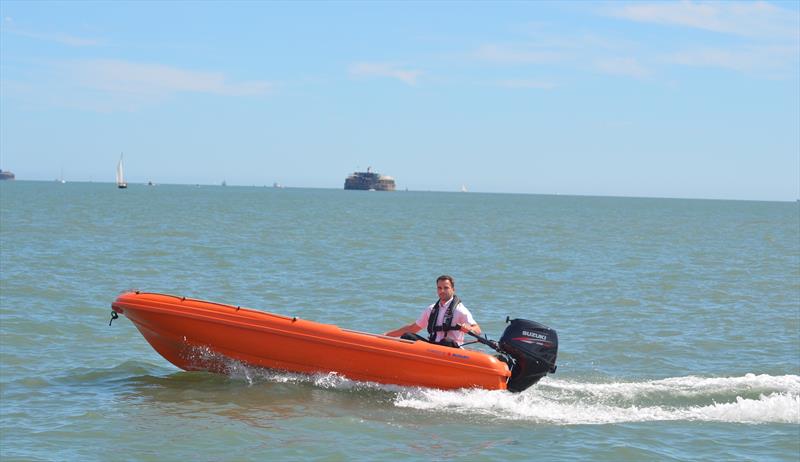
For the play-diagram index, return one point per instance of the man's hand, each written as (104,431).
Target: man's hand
(470,328)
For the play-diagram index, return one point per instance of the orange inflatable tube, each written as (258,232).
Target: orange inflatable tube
(177,326)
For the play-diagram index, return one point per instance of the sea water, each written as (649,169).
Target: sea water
(678,320)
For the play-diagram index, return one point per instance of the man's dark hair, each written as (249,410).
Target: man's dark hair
(446,277)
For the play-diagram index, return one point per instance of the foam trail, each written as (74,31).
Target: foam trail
(747,399)
(770,399)
(681,386)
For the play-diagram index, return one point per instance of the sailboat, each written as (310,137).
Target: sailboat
(120,176)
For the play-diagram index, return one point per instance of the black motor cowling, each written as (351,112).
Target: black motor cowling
(533,347)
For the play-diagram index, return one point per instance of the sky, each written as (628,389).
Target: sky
(686,99)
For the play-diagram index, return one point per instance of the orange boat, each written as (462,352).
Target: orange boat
(179,327)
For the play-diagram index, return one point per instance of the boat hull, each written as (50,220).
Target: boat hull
(184,331)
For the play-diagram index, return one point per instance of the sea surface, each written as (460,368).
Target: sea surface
(678,320)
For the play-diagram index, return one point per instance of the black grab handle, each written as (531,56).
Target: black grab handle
(490,343)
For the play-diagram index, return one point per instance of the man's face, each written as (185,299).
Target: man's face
(445,290)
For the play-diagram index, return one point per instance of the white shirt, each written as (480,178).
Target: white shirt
(461,315)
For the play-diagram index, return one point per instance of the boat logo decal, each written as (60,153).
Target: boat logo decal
(530,341)
(535,335)
(442,353)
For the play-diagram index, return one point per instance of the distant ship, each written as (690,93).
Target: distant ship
(369,181)
(6,175)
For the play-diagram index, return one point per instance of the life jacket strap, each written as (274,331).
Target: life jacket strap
(447,323)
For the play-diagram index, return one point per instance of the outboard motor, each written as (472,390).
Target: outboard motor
(533,347)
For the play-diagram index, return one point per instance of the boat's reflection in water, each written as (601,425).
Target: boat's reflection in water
(263,398)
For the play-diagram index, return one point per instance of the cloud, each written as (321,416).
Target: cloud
(514,54)
(156,80)
(115,85)
(762,59)
(772,34)
(628,67)
(573,52)
(64,39)
(751,19)
(385,70)
(527,83)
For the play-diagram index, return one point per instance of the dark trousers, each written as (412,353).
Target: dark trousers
(445,342)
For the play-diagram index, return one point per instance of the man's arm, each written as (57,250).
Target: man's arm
(412,328)
(475,328)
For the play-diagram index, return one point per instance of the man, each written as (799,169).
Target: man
(446,320)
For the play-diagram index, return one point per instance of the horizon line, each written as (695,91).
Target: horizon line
(282,186)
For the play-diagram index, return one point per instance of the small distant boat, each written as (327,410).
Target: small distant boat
(463,188)
(121,184)
(6,175)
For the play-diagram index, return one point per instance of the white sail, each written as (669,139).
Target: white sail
(120,174)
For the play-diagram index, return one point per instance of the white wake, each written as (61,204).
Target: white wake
(748,399)
(752,399)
